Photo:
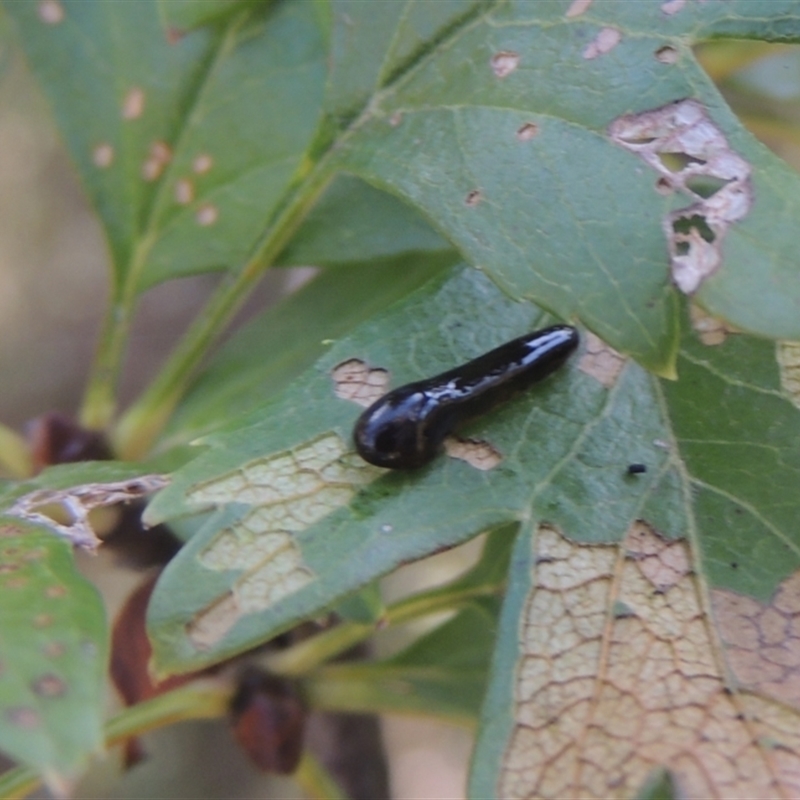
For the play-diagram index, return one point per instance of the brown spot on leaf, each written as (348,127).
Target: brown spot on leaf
(473,198)
(207,215)
(51,12)
(103,155)
(480,455)
(527,131)
(605,41)
(43,620)
(49,685)
(504,63)
(672,6)
(55,591)
(19,582)
(601,361)
(353,380)
(666,54)
(577,8)
(159,155)
(133,103)
(25,718)
(396,118)
(184,191)
(54,649)
(202,163)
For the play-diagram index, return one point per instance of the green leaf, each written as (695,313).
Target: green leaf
(184,15)
(269,352)
(520,171)
(706,573)
(353,222)
(187,146)
(328,548)
(53,640)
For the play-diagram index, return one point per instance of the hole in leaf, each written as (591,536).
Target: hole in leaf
(705,186)
(683,226)
(677,162)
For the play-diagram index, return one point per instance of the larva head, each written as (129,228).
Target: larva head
(393,432)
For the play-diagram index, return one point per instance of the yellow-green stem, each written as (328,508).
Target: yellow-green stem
(15,457)
(144,421)
(100,398)
(188,702)
(316,781)
(305,656)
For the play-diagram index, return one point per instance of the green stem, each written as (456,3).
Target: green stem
(305,656)
(15,457)
(316,781)
(142,423)
(100,399)
(195,701)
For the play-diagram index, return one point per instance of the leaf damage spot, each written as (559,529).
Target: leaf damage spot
(788,356)
(25,718)
(51,12)
(672,6)
(159,155)
(691,154)
(396,118)
(74,504)
(478,454)
(762,640)
(601,361)
(54,649)
(103,155)
(207,215)
(577,8)
(616,679)
(133,103)
(353,380)
(43,620)
(665,564)
(49,685)
(605,41)
(202,164)
(184,191)
(527,131)
(473,198)
(710,330)
(288,492)
(504,63)
(666,54)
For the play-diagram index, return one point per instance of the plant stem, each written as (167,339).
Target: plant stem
(100,399)
(195,701)
(316,781)
(15,457)
(142,423)
(303,657)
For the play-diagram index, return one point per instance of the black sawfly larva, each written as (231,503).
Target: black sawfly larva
(405,428)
